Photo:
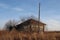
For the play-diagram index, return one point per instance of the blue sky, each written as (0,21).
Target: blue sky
(15,9)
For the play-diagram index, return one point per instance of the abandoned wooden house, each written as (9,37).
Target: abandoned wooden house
(31,25)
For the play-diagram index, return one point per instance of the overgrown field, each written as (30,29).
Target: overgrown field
(15,35)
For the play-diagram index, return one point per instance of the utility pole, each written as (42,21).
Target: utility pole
(38,11)
(39,18)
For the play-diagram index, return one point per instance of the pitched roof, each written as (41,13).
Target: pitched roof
(30,21)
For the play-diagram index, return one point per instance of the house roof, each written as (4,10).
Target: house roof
(31,21)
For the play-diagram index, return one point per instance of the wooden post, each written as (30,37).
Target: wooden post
(39,19)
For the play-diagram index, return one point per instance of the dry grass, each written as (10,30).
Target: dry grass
(15,35)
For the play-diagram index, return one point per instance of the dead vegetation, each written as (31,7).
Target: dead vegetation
(15,35)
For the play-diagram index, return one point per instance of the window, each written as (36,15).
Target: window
(41,28)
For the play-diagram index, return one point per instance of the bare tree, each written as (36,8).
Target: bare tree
(10,25)
(22,19)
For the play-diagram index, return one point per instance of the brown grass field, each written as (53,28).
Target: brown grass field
(15,35)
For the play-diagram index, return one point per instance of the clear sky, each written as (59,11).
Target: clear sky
(15,9)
